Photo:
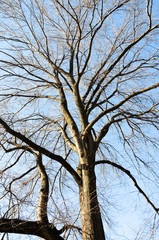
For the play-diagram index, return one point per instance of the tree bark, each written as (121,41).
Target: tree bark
(92,226)
(44,192)
(47,232)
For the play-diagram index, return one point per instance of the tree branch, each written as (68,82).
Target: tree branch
(126,50)
(44,192)
(40,149)
(68,117)
(120,104)
(128,173)
(96,30)
(29,228)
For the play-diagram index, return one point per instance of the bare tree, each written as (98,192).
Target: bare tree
(79,92)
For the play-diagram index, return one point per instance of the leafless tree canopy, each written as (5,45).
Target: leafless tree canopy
(79,107)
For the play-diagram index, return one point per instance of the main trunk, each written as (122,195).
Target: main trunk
(92,226)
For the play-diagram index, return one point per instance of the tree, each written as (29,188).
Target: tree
(79,93)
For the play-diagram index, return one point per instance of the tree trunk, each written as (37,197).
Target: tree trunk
(92,226)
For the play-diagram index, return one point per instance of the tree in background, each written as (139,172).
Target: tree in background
(78,100)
